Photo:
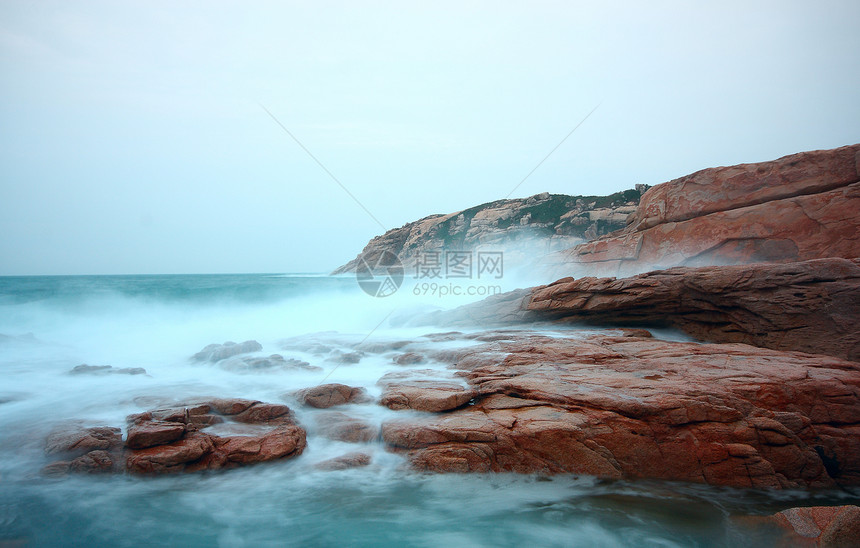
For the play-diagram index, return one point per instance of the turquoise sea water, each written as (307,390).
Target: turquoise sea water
(48,325)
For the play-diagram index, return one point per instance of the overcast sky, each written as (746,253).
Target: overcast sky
(133,137)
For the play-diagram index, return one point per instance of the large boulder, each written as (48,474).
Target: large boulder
(623,406)
(796,208)
(810,306)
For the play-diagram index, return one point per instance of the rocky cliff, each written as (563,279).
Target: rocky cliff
(526,228)
(803,206)
(810,306)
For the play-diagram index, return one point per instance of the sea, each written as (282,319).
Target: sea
(51,324)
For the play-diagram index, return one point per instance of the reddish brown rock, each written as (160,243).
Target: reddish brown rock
(431,395)
(796,208)
(283,441)
(94,462)
(628,407)
(200,450)
(230,406)
(350,460)
(56,469)
(342,427)
(76,440)
(149,433)
(329,395)
(91,450)
(811,306)
(171,457)
(265,413)
(409,358)
(816,526)
(725,188)
(174,439)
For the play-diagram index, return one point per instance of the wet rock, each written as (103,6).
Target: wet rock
(810,306)
(217,352)
(431,395)
(106,369)
(275,362)
(56,469)
(175,439)
(350,460)
(283,441)
(329,395)
(170,457)
(380,347)
(342,427)
(409,358)
(76,440)
(94,462)
(229,406)
(264,413)
(341,357)
(815,526)
(150,433)
(635,407)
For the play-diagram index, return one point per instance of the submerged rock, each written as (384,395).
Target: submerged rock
(338,356)
(341,427)
(275,362)
(85,369)
(350,460)
(217,352)
(815,526)
(77,440)
(90,450)
(409,358)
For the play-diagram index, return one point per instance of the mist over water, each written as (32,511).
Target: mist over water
(49,325)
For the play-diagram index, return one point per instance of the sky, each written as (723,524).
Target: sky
(135,137)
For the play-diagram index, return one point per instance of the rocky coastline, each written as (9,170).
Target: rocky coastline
(758,264)
(522,228)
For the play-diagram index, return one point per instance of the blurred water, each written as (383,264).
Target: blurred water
(48,325)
